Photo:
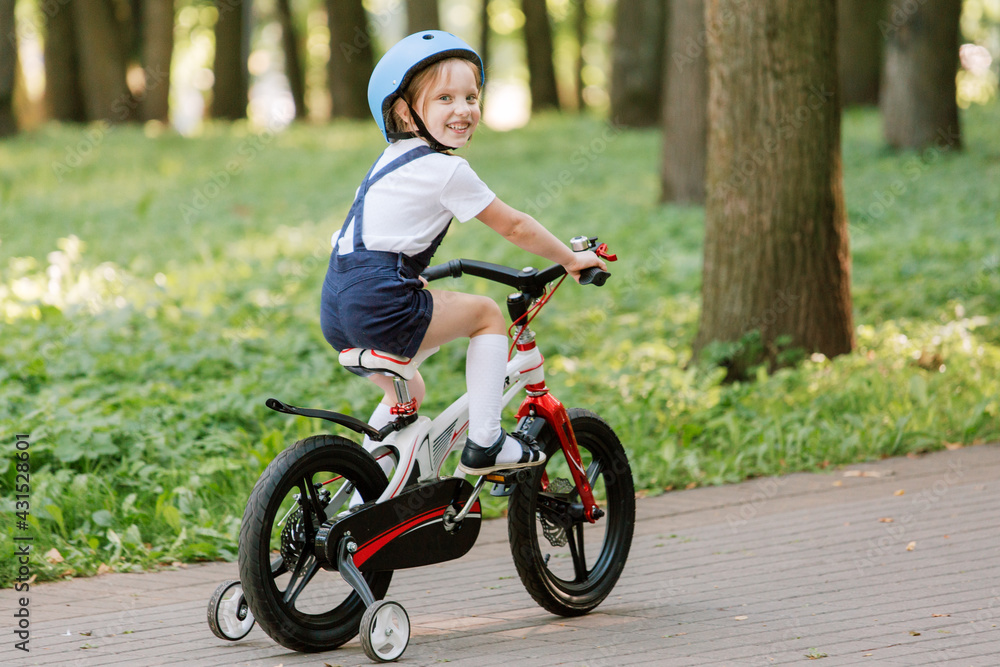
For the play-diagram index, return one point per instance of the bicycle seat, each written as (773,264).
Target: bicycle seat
(364,362)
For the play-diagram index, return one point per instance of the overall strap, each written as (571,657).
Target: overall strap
(357,208)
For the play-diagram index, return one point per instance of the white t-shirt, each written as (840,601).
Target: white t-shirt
(405,211)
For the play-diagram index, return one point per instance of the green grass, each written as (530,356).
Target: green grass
(185,291)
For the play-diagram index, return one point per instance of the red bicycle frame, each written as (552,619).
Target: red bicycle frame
(541,403)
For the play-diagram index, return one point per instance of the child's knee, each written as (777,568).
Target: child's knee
(489,312)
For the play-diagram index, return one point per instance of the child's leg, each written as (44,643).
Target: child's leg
(458,315)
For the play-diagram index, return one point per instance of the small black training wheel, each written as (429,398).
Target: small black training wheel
(228,614)
(385,631)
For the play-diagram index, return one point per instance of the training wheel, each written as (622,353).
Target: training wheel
(385,631)
(228,614)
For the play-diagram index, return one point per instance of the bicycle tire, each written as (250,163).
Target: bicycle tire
(297,625)
(594,579)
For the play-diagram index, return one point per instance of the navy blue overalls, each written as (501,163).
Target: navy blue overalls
(371,298)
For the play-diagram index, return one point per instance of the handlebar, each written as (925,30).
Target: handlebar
(530,281)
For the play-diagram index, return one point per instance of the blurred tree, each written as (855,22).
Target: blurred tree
(859,50)
(102,52)
(776,245)
(918,88)
(484,33)
(293,61)
(637,62)
(541,70)
(580,28)
(351,58)
(422,15)
(63,90)
(230,91)
(157,51)
(8,68)
(685,107)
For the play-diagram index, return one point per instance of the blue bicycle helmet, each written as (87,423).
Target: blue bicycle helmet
(401,63)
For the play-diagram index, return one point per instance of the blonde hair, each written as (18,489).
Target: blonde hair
(423,79)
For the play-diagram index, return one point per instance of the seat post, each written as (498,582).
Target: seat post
(402,391)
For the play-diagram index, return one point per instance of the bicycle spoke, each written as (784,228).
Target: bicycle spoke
(311,502)
(593,470)
(299,579)
(575,539)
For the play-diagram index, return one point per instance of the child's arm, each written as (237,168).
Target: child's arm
(528,234)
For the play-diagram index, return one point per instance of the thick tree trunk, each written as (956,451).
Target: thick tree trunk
(580,25)
(63,91)
(918,91)
(541,71)
(637,62)
(685,109)
(293,62)
(422,15)
(158,49)
(101,54)
(776,246)
(351,60)
(230,92)
(8,68)
(859,50)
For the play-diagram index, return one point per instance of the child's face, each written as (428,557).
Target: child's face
(449,104)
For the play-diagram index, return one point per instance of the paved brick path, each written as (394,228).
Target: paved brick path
(766,572)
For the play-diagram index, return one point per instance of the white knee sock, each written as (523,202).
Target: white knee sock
(381,417)
(485,370)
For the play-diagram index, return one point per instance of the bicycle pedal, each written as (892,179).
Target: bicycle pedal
(502,490)
(508,477)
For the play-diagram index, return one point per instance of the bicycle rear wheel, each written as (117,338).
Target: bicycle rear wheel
(296,602)
(568,565)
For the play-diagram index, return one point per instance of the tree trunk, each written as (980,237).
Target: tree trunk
(422,15)
(351,59)
(637,62)
(63,92)
(102,62)
(859,50)
(685,109)
(776,246)
(918,91)
(230,92)
(580,25)
(8,68)
(158,48)
(541,71)
(293,62)
(484,33)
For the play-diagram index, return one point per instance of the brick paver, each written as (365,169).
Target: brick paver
(772,571)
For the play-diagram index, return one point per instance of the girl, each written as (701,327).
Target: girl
(424,96)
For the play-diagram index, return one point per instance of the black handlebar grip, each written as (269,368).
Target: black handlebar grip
(452,269)
(593,276)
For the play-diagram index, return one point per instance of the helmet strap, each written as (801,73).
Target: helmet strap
(425,134)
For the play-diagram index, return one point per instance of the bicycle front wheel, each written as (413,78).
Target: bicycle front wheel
(567,564)
(295,601)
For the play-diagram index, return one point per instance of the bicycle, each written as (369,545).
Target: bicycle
(324,517)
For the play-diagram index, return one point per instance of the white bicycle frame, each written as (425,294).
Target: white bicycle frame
(427,442)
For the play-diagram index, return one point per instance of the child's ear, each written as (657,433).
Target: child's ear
(403,112)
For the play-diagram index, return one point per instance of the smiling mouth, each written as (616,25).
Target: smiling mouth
(458,127)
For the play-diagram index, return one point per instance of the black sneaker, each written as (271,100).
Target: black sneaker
(478,460)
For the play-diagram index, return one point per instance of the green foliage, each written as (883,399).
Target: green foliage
(154,295)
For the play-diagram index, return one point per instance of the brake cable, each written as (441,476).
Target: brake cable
(530,314)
